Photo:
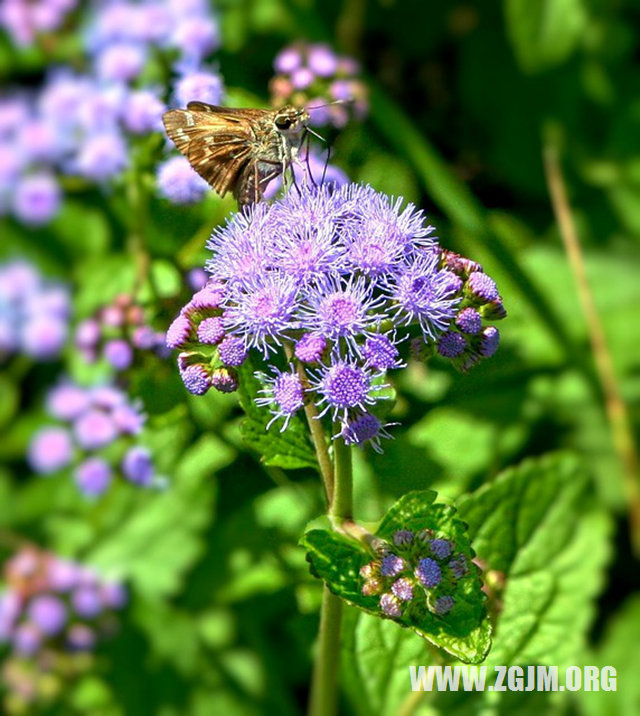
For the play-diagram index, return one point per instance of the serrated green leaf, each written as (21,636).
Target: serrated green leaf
(544,32)
(337,559)
(543,549)
(289,449)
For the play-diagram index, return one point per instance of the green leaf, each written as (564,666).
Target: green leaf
(465,631)
(544,32)
(289,449)
(543,550)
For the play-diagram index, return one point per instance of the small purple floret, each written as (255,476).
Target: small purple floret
(428,572)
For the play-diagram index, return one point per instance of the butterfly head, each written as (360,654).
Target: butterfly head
(291,121)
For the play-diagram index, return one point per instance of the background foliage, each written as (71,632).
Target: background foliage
(223,609)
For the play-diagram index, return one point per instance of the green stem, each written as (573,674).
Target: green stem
(324,686)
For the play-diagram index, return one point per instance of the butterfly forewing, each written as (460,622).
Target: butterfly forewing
(237,150)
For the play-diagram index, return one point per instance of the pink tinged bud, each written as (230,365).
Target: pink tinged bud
(391,605)
(372,587)
(112,316)
(225,380)
(196,378)
(87,333)
(179,332)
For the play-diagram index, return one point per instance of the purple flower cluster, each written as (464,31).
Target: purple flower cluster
(417,572)
(95,436)
(314,76)
(84,122)
(329,282)
(51,608)
(119,334)
(24,20)
(34,313)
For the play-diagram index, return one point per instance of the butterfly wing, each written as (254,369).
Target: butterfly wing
(217,141)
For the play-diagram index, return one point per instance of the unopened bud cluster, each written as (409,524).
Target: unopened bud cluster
(416,573)
(314,76)
(208,356)
(119,333)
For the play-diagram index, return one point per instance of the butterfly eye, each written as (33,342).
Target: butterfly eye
(283,122)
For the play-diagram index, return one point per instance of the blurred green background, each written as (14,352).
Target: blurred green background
(464,98)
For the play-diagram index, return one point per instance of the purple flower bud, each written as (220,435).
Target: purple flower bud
(128,419)
(403,589)
(93,476)
(94,429)
(113,595)
(392,565)
(197,278)
(179,183)
(27,639)
(137,466)
(211,330)
(86,602)
(48,613)
(62,575)
(225,380)
(232,351)
(402,538)
(196,378)
(482,286)
(441,548)
(469,321)
(490,341)
(50,450)
(391,605)
(118,353)
(372,587)
(443,605)
(87,333)
(302,78)
(458,566)
(451,344)
(37,199)
(144,337)
(80,637)
(179,332)
(428,572)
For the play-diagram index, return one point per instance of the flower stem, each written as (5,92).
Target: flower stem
(615,406)
(324,686)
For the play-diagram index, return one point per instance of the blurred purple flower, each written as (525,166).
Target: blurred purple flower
(48,613)
(179,183)
(201,85)
(102,156)
(93,476)
(50,450)
(37,199)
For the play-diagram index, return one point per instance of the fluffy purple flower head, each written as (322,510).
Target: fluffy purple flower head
(93,476)
(364,428)
(121,62)
(402,538)
(380,352)
(47,613)
(344,386)
(285,395)
(179,183)
(137,465)
(143,112)
(458,566)
(428,572)
(50,450)
(36,199)
(102,156)
(392,565)
(201,85)
(94,429)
